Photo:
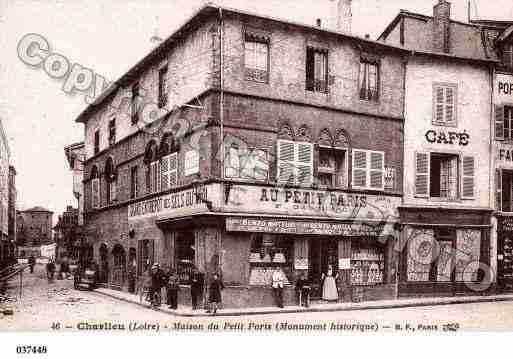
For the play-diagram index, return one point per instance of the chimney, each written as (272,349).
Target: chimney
(441,26)
(342,14)
(319,22)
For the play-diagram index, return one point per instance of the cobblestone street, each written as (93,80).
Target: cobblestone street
(43,305)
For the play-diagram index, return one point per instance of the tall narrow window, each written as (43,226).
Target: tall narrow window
(96,141)
(507,55)
(95,188)
(112,131)
(369,81)
(316,70)
(256,59)
(134,184)
(135,102)
(444,104)
(162,87)
(508,123)
(295,163)
(110,180)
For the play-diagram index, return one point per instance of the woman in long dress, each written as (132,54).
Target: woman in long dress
(329,286)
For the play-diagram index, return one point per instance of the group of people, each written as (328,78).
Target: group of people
(158,279)
(303,287)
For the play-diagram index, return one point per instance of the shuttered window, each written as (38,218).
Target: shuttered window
(168,171)
(444,105)
(368,169)
(154,177)
(422,174)
(295,163)
(498,189)
(499,122)
(95,193)
(112,191)
(506,115)
(468,174)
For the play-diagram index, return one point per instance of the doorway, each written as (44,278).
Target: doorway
(323,251)
(104,264)
(119,267)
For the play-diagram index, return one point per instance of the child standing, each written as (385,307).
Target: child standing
(214,295)
(172,288)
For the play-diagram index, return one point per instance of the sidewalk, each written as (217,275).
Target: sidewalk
(185,311)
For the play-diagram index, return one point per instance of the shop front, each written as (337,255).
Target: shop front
(444,252)
(246,232)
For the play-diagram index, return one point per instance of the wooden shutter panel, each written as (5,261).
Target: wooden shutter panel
(113,190)
(438,111)
(173,169)
(450,104)
(422,174)
(164,173)
(261,169)
(498,189)
(377,170)
(499,122)
(95,192)
(232,166)
(468,174)
(304,163)
(286,166)
(359,168)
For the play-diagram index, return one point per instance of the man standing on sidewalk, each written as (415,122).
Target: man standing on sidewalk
(278,282)
(197,283)
(32,263)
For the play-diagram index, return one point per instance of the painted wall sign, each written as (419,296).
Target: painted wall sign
(505,155)
(188,201)
(191,162)
(503,88)
(344,263)
(448,138)
(236,224)
(301,263)
(307,202)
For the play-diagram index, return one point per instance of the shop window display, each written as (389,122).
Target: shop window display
(269,252)
(367,264)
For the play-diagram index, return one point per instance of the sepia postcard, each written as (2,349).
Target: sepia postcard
(255,167)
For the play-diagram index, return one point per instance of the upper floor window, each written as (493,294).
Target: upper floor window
(96,141)
(135,102)
(162,166)
(332,167)
(503,122)
(444,176)
(295,163)
(256,59)
(507,55)
(504,183)
(245,163)
(316,70)
(95,188)
(162,96)
(112,131)
(444,104)
(369,81)
(368,169)
(134,182)
(110,180)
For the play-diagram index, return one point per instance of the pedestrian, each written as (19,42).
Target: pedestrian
(145,284)
(214,293)
(303,290)
(172,288)
(158,280)
(65,268)
(197,283)
(50,270)
(278,281)
(329,285)
(32,263)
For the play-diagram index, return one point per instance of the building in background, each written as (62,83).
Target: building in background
(34,230)
(67,235)
(7,246)
(447,207)
(12,204)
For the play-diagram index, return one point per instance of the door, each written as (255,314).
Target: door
(119,267)
(323,252)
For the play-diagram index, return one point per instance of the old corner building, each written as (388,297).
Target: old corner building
(308,173)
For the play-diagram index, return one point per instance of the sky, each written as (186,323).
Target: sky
(111,36)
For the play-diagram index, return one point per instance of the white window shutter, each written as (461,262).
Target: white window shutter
(499,122)
(439,105)
(261,170)
(173,169)
(286,165)
(498,189)
(450,106)
(359,169)
(468,175)
(164,173)
(113,190)
(232,164)
(377,170)
(422,174)
(304,163)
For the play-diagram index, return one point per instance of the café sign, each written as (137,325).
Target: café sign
(503,88)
